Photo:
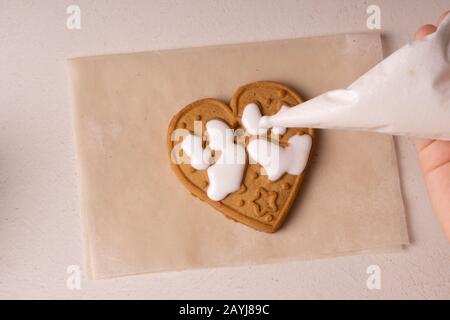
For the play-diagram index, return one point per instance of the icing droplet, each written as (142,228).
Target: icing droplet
(286,186)
(250,119)
(269,218)
(241,203)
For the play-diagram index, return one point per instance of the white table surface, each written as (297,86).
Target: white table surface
(40,233)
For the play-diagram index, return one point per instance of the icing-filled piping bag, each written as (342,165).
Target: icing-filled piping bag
(408,93)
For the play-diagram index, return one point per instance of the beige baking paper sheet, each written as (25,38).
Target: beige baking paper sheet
(137,217)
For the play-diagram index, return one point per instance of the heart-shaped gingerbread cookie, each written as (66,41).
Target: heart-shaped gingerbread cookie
(251,175)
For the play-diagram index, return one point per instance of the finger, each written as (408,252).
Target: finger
(442,17)
(422,143)
(420,33)
(425,30)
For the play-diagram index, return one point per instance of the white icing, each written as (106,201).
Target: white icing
(225,175)
(192,146)
(251,120)
(408,93)
(277,160)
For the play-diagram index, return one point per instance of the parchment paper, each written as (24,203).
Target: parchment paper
(137,217)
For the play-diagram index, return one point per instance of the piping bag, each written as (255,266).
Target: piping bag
(408,93)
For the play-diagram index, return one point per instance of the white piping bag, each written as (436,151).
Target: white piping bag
(408,93)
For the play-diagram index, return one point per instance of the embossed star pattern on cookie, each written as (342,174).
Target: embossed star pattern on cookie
(264,202)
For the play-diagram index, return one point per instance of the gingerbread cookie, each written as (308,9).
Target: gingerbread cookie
(223,157)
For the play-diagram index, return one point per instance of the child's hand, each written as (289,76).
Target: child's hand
(434,156)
